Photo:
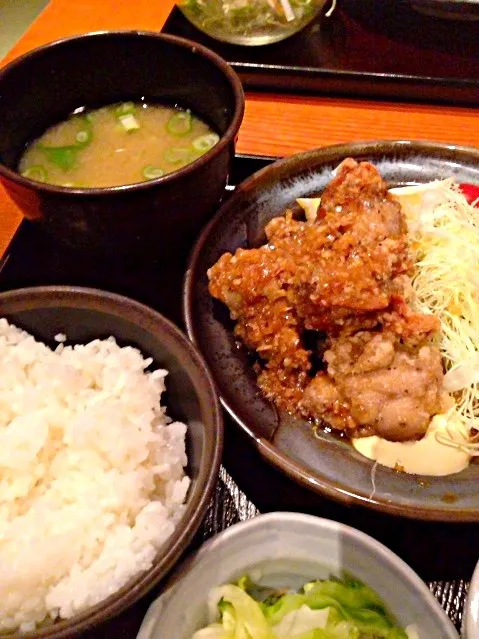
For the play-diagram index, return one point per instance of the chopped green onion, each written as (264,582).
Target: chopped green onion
(205,142)
(177,155)
(82,137)
(127,108)
(129,122)
(151,172)
(85,134)
(180,123)
(36,173)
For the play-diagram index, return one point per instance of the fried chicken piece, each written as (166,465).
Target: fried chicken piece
(376,385)
(346,274)
(414,329)
(353,259)
(361,184)
(252,283)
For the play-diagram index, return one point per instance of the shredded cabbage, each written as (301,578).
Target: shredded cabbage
(330,609)
(444,232)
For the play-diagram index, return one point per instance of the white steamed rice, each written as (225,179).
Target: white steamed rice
(92,475)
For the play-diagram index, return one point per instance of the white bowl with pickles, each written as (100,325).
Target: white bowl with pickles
(295,576)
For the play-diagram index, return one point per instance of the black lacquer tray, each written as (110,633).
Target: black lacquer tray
(369,48)
(443,554)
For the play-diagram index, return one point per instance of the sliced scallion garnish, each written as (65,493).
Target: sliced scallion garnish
(177,155)
(126,108)
(180,123)
(85,134)
(36,173)
(83,137)
(129,122)
(205,142)
(151,172)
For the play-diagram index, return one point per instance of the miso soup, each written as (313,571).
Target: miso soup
(117,144)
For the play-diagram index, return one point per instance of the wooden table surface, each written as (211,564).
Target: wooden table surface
(273,124)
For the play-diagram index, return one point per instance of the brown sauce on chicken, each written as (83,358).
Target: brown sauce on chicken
(345,274)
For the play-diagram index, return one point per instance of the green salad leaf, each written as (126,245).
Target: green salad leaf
(325,609)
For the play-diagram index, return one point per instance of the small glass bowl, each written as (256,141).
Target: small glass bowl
(251,22)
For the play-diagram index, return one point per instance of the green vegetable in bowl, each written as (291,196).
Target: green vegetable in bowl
(205,142)
(125,108)
(180,123)
(125,112)
(151,172)
(177,155)
(327,609)
(246,16)
(117,144)
(36,172)
(65,156)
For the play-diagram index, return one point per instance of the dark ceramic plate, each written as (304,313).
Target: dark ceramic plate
(331,466)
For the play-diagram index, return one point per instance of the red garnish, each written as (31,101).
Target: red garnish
(471,193)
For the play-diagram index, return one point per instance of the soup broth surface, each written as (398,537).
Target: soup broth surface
(118,144)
